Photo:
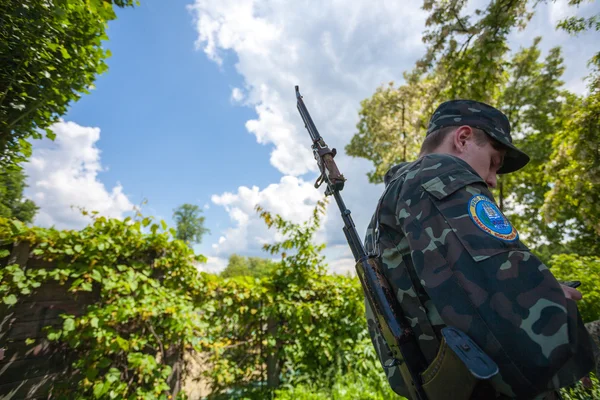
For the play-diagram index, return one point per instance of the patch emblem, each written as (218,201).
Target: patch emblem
(488,217)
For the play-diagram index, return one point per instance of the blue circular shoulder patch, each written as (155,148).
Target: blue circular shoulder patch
(488,217)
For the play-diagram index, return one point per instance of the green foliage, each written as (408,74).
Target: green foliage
(578,392)
(254,267)
(574,199)
(531,100)
(577,25)
(371,385)
(129,342)
(295,326)
(12,203)
(570,267)
(385,130)
(47,64)
(190,225)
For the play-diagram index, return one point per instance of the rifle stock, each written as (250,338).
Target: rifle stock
(401,341)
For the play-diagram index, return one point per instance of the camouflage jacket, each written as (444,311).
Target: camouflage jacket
(454,259)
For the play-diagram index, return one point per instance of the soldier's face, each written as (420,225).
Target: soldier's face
(485,158)
(486,162)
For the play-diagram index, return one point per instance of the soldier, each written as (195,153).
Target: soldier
(454,259)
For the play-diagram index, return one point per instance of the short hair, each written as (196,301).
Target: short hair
(435,139)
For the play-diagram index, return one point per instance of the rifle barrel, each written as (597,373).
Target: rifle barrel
(308,122)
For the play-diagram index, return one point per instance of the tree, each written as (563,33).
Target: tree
(12,203)
(573,198)
(463,60)
(51,53)
(255,267)
(536,104)
(386,130)
(190,225)
(553,201)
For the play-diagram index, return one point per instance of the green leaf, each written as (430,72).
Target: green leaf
(17,226)
(69,325)
(96,275)
(65,53)
(4,253)
(123,344)
(10,300)
(77,248)
(91,373)
(104,362)
(100,388)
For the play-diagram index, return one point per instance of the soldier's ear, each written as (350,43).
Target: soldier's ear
(461,136)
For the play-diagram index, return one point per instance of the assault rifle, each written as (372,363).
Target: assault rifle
(399,336)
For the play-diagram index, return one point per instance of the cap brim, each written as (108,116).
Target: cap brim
(514,159)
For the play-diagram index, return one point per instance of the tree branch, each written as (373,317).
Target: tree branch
(162,349)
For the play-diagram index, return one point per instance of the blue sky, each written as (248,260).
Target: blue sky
(170,132)
(198,107)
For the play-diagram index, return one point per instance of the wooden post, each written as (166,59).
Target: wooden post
(272,355)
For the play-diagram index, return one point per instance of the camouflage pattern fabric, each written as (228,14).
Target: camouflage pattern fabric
(447,271)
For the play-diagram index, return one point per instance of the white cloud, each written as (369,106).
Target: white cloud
(63,175)
(338,52)
(237,95)
(559,9)
(213,265)
(342,266)
(249,232)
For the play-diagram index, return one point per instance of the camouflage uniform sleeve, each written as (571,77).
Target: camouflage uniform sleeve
(381,349)
(484,281)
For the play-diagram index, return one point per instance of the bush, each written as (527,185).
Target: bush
(371,385)
(578,392)
(294,326)
(571,267)
(130,342)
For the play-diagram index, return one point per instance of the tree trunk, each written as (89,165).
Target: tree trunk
(174,358)
(272,355)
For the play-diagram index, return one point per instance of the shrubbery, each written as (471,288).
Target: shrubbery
(130,342)
(297,326)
